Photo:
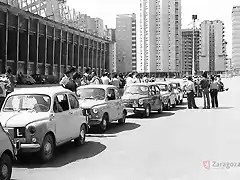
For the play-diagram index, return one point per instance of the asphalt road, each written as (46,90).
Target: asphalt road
(171,146)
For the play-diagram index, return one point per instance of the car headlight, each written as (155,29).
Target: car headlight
(32,130)
(95,111)
(141,102)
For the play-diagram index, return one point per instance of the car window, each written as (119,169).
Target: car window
(61,103)
(152,90)
(74,104)
(111,94)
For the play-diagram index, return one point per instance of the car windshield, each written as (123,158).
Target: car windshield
(39,103)
(163,87)
(91,93)
(136,89)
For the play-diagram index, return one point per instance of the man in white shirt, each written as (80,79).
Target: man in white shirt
(105,79)
(130,79)
(189,87)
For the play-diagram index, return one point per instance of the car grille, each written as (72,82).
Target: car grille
(86,112)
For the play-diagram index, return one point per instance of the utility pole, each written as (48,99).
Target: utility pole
(194,17)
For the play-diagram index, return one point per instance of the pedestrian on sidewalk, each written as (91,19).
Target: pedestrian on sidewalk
(204,83)
(214,88)
(189,87)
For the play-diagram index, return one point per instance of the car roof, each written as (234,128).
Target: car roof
(140,84)
(162,82)
(41,90)
(103,86)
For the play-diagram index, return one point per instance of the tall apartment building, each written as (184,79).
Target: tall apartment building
(187,50)
(160,36)
(126,42)
(111,35)
(236,38)
(99,26)
(213,46)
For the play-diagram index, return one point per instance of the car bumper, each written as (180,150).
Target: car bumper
(27,148)
(134,110)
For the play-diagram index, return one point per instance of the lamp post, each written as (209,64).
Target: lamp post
(194,17)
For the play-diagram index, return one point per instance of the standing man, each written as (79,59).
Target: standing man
(130,79)
(116,81)
(12,84)
(2,93)
(66,78)
(95,79)
(105,79)
(189,87)
(204,83)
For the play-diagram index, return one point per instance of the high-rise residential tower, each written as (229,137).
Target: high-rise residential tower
(213,46)
(236,38)
(126,43)
(159,36)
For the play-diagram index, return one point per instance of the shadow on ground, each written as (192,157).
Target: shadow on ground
(154,115)
(113,129)
(64,155)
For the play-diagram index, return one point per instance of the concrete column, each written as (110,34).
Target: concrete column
(67,54)
(73,42)
(88,47)
(37,50)
(45,52)
(17,44)
(60,56)
(53,52)
(83,50)
(97,62)
(104,56)
(93,48)
(78,46)
(28,39)
(6,44)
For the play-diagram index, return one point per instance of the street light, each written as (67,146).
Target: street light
(194,17)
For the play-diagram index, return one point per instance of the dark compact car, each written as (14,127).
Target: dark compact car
(40,79)
(140,97)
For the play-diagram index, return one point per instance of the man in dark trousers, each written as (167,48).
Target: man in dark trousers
(189,87)
(204,83)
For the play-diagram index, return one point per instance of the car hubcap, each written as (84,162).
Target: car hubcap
(4,170)
(82,134)
(147,111)
(104,123)
(48,149)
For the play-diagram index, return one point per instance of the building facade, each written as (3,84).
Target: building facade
(187,50)
(160,36)
(236,38)
(126,42)
(213,47)
(229,65)
(31,44)
(111,35)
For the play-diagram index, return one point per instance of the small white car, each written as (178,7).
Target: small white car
(7,155)
(39,119)
(178,91)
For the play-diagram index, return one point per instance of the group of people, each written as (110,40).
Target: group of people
(209,85)
(72,79)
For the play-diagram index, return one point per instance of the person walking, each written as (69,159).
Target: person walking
(65,79)
(95,79)
(11,78)
(105,79)
(189,87)
(116,81)
(122,83)
(204,83)
(130,79)
(214,88)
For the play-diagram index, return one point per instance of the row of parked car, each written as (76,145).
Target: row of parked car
(37,120)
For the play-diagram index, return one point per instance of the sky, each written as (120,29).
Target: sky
(205,9)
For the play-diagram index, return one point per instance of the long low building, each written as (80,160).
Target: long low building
(32,44)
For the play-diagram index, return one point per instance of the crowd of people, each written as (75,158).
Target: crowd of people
(72,79)
(207,86)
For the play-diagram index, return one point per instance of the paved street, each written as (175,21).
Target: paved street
(171,146)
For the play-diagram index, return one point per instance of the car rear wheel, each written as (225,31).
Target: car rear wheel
(5,167)
(82,136)
(123,119)
(47,149)
(104,123)
(147,111)
(161,108)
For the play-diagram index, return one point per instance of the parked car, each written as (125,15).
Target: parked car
(178,91)
(101,105)
(142,97)
(7,154)
(168,94)
(40,119)
(40,79)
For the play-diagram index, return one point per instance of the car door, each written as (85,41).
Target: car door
(171,94)
(77,118)
(111,101)
(119,104)
(153,97)
(61,117)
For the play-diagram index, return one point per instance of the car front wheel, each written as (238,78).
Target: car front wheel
(147,111)
(47,149)
(5,167)
(123,119)
(82,136)
(104,123)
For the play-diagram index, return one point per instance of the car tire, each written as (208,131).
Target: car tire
(80,140)
(47,149)
(147,111)
(104,123)
(123,119)
(169,105)
(161,108)
(5,167)
(174,105)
